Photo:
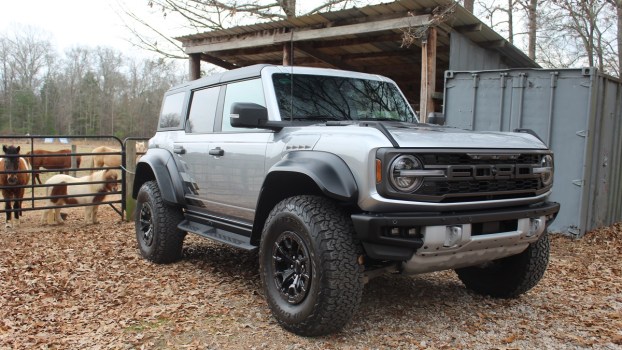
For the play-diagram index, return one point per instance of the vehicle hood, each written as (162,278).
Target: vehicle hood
(430,136)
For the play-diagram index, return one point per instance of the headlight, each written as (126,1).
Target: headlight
(404,175)
(546,170)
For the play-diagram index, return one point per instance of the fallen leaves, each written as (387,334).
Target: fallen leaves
(76,286)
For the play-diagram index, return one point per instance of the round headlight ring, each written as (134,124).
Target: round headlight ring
(547,175)
(405,183)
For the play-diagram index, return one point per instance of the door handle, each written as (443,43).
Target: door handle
(179,149)
(217,152)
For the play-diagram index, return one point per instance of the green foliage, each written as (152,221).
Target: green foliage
(84,92)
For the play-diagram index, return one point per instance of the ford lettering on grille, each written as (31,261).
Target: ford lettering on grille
(490,172)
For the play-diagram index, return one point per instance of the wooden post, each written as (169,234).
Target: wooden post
(195,66)
(287,54)
(130,171)
(74,160)
(428,74)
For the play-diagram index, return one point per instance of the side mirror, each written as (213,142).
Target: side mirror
(248,115)
(436,118)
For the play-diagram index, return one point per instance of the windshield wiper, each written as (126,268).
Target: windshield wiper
(318,117)
(367,119)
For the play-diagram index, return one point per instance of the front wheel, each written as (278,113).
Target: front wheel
(159,239)
(509,277)
(308,265)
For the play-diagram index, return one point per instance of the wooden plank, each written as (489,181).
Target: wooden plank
(194,67)
(477,27)
(288,58)
(217,61)
(255,40)
(330,60)
(428,75)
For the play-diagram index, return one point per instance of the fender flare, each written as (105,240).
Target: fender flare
(330,173)
(160,165)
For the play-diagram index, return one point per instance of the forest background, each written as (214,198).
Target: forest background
(101,91)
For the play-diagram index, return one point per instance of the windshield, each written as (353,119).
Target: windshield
(318,97)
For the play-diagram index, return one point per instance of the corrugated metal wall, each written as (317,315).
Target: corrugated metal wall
(465,54)
(577,112)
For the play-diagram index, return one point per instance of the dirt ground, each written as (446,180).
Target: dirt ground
(79,286)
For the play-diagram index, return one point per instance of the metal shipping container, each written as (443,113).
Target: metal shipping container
(577,112)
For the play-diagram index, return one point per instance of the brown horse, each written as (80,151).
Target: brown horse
(51,160)
(13,176)
(102,159)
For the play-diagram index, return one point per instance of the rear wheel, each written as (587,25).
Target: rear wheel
(159,239)
(308,265)
(509,277)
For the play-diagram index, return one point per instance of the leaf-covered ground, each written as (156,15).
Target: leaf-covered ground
(86,287)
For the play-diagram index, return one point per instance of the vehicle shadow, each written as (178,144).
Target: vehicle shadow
(387,297)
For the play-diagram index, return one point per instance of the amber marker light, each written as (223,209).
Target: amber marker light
(378,171)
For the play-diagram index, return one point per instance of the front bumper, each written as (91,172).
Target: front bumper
(398,236)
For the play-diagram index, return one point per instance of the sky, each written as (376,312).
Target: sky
(76,22)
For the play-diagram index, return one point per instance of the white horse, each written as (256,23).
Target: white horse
(66,185)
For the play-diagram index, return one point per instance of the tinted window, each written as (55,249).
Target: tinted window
(243,91)
(203,110)
(170,116)
(317,97)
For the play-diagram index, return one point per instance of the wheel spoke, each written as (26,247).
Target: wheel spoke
(146,225)
(290,261)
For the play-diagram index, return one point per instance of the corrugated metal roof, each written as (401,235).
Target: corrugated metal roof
(342,39)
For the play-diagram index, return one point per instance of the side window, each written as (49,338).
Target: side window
(243,91)
(203,110)
(170,116)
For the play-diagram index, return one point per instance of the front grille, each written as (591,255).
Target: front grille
(465,159)
(443,188)
(473,175)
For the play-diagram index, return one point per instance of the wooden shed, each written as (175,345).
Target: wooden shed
(410,41)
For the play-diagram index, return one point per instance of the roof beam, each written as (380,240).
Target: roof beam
(494,44)
(255,40)
(217,61)
(330,60)
(469,28)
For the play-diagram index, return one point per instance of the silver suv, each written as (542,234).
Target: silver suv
(331,176)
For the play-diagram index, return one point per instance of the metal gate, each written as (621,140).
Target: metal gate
(82,163)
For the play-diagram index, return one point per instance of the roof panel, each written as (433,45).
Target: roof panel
(459,17)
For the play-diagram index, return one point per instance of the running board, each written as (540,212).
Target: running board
(216,234)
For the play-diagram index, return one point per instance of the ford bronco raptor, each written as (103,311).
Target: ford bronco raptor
(330,175)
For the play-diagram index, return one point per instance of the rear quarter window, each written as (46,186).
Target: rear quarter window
(171,113)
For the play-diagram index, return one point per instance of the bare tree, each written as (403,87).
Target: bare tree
(112,82)
(206,15)
(531,9)
(25,53)
(500,16)
(618,6)
(581,33)
(30,48)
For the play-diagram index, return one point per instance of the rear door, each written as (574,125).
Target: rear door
(192,146)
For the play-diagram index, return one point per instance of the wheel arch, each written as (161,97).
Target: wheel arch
(159,165)
(304,173)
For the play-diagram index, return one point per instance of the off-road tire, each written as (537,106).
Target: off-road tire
(159,239)
(509,277)
(319,235)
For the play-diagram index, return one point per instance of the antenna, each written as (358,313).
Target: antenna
(291,78)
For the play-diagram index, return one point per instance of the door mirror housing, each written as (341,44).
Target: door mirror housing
(248,115)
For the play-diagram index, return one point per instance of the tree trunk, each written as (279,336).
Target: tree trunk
(619,11)
(289,7)
(510,22)
(532,27)
(468,4)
